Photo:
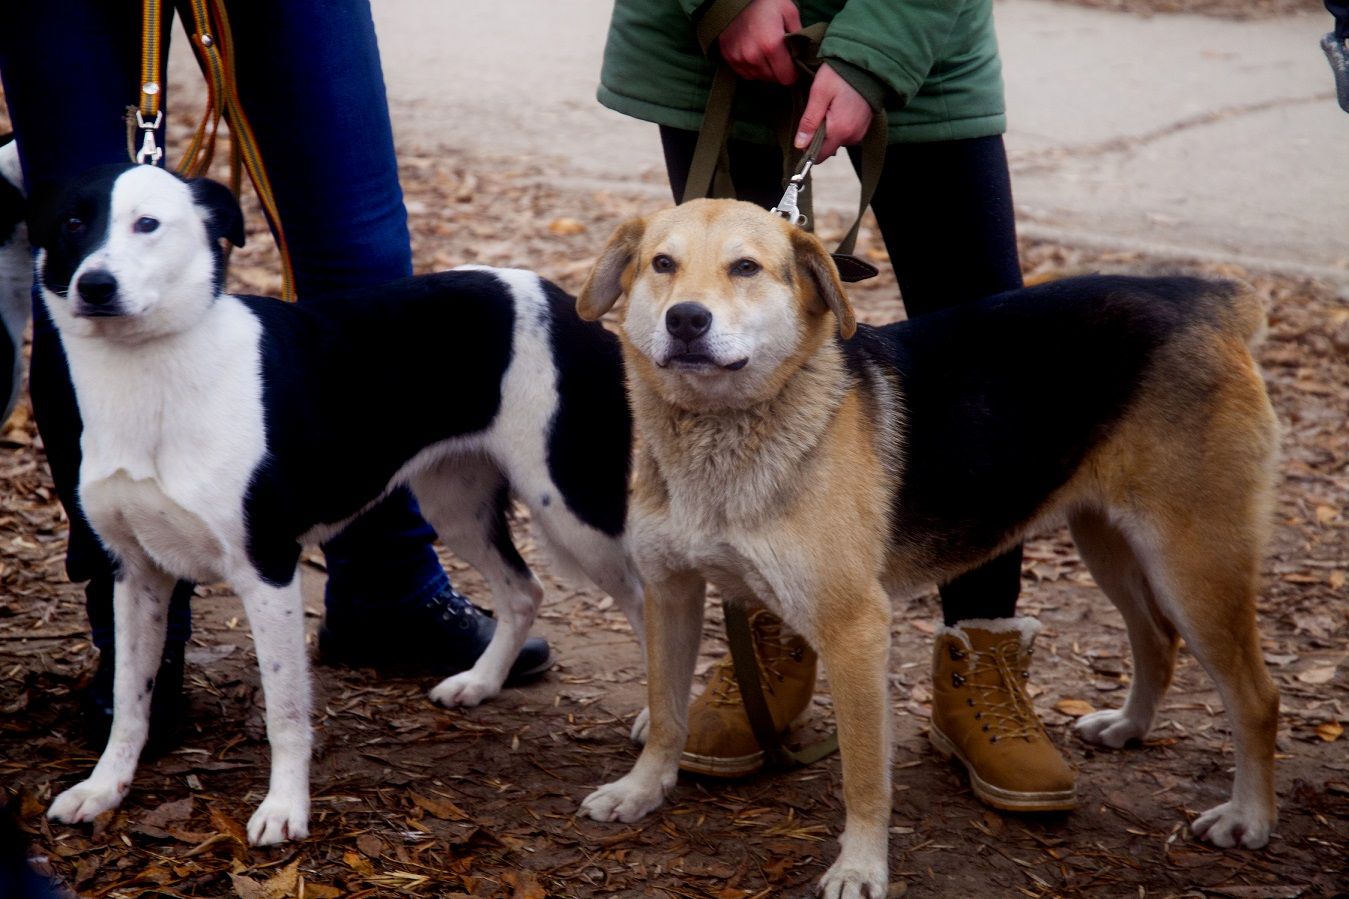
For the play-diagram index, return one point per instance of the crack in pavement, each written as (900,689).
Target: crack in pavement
(1044,160)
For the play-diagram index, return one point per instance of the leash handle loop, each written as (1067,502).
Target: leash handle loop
(212,44)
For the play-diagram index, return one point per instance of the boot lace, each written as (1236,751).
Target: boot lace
(1006,711)
(453,606)
(771,651)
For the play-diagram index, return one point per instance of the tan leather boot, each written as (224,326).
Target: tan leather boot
(982,716)
(721,742)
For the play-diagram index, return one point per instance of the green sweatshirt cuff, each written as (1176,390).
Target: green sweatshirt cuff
(872,89)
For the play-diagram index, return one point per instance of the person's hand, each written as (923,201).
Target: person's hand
(754,46)
(835,105)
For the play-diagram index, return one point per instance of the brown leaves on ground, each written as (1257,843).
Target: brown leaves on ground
(412,799)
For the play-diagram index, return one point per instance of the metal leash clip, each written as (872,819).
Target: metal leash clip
(149,153)
(787,207)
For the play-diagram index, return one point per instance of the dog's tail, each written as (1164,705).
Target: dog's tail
(1241,311)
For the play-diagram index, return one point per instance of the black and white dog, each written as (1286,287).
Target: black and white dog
(16,275)
(220,436)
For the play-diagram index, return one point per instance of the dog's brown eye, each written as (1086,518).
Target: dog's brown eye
(145,224)
(663,264)
(74,224)
(745,268)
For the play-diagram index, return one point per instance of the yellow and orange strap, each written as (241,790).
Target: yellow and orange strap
(212,44)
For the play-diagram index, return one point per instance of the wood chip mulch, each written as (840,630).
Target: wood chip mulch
(411,799)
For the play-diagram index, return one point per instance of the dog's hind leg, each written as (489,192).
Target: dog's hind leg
(140,602)
(605,561)
(1151,636)
(1205,581)
(674,610)
(276,616)
(466,501)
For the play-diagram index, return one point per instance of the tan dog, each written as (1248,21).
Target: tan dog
(801,461)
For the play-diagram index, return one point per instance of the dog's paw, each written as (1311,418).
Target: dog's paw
(1230,824)
(628,799)
(86,801)
(641,727)
(278,820)
(1110,728)
(851,880)
(464,690)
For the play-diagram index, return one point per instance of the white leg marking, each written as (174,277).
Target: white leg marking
(284,665)
(140,601)
(459,498)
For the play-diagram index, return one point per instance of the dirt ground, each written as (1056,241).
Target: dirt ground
(413,799)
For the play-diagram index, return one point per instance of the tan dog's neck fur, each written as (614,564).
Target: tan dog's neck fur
(748,458)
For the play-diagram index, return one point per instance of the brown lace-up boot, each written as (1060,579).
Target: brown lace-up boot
(982,715)
(721,742)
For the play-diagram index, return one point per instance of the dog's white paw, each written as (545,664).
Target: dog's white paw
(86,801)
(278,820)
(466,689)
(628,799)
(852,880)
(641,727)
(1110,728)
(1228,824)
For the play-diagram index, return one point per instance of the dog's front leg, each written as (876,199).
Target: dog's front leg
(276,615)
(140,601)
(674,628)
(853,639)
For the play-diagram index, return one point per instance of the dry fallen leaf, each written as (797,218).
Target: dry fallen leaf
(1314,676)
(1330,731)
(357,862)
(566,226)
(1075,708)
(320,891)
(440,808)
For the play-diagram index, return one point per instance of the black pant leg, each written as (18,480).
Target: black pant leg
(756,169)
(945,214)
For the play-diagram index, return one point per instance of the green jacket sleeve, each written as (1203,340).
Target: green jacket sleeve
(896,43)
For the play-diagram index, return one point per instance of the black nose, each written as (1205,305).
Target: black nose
(97,288)
(688,321)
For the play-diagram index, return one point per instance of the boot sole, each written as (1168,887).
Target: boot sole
(735,766)
(718,766)
(999,797)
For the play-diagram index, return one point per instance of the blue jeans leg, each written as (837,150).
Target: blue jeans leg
(69,70)
(311,84)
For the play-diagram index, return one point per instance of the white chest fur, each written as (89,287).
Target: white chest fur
(173,431)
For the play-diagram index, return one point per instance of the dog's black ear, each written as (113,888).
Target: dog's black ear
(224,217)
(612,274)
(818,267)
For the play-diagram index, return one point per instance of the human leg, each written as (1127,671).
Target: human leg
(311,83)
(945,213)
(87,55)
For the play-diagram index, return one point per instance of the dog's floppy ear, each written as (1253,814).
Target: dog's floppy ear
(224,217)
(604,285)
(817,267)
